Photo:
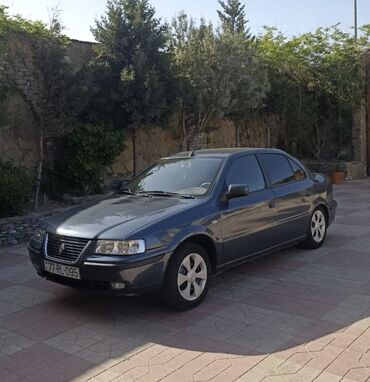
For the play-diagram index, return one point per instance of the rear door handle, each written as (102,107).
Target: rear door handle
(272,204)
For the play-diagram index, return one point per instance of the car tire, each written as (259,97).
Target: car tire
(187,278)
(317,229)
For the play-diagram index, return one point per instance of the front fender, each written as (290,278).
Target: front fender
(202,220)
(169,239)
(201,235)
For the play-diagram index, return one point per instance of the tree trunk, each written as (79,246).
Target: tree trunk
(340,128)
(39,172)
(185,139)
(237,134)
(318,139)
(240,126)
(134,152)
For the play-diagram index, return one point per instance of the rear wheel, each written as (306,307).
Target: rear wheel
(316,233)
(187,278)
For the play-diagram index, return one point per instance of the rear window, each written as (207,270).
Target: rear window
(278,168)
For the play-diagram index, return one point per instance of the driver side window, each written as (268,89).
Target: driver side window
(246,170)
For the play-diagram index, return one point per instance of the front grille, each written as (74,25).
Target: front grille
(66,249)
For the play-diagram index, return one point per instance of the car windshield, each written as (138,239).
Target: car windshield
(192,176)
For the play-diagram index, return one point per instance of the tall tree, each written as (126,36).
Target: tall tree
(218,75)
(249,83)
(315,86)
(233,17)
(133,76)
(204,91)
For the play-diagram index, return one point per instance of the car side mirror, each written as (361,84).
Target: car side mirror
(299,175)
(237,191)
(122,183)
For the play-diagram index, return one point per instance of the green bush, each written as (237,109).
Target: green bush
(90,150)
(15,188)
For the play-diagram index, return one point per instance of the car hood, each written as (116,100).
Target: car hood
(115,217)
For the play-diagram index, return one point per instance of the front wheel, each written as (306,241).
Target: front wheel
(316,233)
(187,278)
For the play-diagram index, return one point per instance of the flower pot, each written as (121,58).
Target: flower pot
(337,177)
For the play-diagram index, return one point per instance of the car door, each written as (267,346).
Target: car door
(294,193)
(247,221)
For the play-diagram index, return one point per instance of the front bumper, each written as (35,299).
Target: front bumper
(138,274)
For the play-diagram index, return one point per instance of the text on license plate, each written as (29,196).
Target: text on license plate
(62,270)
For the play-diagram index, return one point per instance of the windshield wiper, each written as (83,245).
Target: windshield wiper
(169,194)
(127,191)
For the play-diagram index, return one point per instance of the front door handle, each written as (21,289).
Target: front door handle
(272,204)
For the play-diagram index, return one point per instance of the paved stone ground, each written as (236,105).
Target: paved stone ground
(293,316)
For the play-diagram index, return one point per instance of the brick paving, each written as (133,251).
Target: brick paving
(296,316)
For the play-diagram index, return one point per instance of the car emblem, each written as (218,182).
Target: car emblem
(62,249)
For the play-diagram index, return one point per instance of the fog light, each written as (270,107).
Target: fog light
(118,285)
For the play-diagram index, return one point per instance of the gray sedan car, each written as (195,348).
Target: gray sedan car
(183,219)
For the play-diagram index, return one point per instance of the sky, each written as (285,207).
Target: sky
(290,16)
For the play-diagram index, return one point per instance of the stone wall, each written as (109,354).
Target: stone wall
(367,130)
(80,53)
(361,123)
(19,128)
(151,144)
(20,134)
(19,229)
(156,143)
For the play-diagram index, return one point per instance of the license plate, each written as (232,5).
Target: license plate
(62,270)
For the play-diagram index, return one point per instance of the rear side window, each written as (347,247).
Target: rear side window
(299,173)
(278,168)
(246,170)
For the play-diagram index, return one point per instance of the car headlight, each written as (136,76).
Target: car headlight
(39,236)
(120,247)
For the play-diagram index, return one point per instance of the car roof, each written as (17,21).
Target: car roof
(225,152)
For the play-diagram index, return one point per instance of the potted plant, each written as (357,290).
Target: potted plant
(337,176)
